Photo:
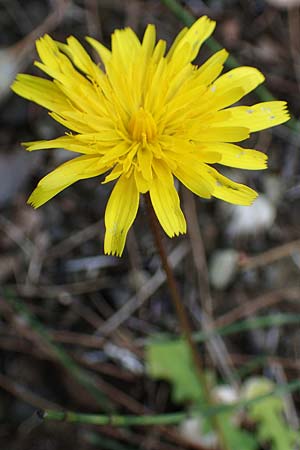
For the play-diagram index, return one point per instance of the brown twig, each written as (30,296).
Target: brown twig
(75,240)
(293,28)
(148,289)
(25,395)
(260,302)
(287,363)
(215,345)
(56,291)
(270,256)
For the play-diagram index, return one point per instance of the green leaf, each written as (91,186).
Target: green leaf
(235,437)
(172,361)
(268,414)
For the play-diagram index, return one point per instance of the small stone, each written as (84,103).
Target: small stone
(225,394)
(249,220)
(223,267)
(192,430)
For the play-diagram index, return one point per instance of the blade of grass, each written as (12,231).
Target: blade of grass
(267,321)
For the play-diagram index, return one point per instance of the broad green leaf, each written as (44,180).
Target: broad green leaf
(172,361)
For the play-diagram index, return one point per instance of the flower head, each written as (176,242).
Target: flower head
(144,117)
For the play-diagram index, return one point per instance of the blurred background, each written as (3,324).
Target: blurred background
(75,325)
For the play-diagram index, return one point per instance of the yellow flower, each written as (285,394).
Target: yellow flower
(147,116)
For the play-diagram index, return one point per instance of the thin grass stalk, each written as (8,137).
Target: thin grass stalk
(162,419)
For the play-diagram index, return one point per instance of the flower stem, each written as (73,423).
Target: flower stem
(183,317)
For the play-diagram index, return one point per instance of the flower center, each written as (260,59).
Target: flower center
(142,126)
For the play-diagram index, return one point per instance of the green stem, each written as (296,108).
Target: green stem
(162,419)
(114,420)
(182,14)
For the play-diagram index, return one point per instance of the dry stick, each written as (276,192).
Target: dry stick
(182,315)
(215,345)
(254,305)
(143,294)
(23,393)
(293,29)
(73,241)
(82,376)
(198,250)
(270,256)
(54,291)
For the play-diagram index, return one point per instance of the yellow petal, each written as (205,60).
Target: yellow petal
(114,174)
(114,153)
(175,43)
(247,78)
(230,191)
(65,142)
(142,184)
(125,46)
(230,88)
(83,95)
(214,100)
(260,116)
(165,201)
(41,91)
(159,51)
(219,134)
(120,213)
(48,52)
(182,151)
(75,51)
(144,156)
(215,117)
(90,121)
(148,42)
(182,101)
(74,124)
(191,41)
(63,176)
(196,178)
(212,68)
(239,157)
(103,52)
(55,63)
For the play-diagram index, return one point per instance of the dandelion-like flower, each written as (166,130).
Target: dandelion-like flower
(144,117)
